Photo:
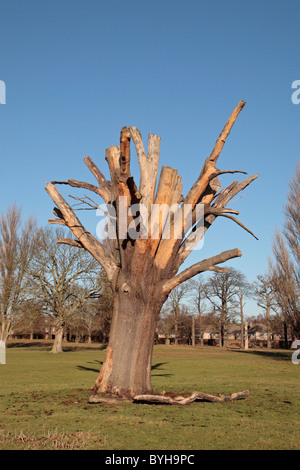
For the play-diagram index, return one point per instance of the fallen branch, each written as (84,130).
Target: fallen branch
(109,400)
(169,400)
(195,396)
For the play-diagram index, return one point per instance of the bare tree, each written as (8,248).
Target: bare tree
(197,292)
(145,271)
(243,291)
(165,325)
(292,218)
(96,314)
(62,279)
(84,320)
(184,319)
(31,320)
(174,304)
(265,296)
(17,246)
(221,290)
(285,283)
(285,265)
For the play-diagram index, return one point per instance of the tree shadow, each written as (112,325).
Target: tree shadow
(91,369)
(67,347)
(154,367)
(277,356)
(158,367)
(71,348)
(16,344)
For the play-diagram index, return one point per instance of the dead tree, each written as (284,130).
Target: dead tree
(146,268)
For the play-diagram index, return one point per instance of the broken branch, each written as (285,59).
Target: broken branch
(209,168)
(70,241)
(205,265)
(89,242)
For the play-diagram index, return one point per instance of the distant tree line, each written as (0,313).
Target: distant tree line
(216,306)
(219,301)
(49,287)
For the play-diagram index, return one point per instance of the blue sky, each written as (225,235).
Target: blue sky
(77,71)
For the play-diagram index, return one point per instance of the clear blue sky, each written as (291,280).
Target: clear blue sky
(77,71)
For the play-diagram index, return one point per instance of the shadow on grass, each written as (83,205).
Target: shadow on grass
(158,367)
(91,369)
(277,356)
(154,367)
(71,348)
(67,347)
(16,344)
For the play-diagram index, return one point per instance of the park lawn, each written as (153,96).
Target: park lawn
(44,401)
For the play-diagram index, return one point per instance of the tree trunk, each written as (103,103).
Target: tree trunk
(242,322)
(246,335)
(221,334)
(225,329)
(126,370)
(268,328)
(193,332)
(176,329)
(201,329)
(57,346)
(5,330)
(286,343)
(222,329)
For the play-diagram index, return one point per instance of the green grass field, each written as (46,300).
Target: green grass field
(44,401)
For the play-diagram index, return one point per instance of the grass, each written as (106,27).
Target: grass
(44,401)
